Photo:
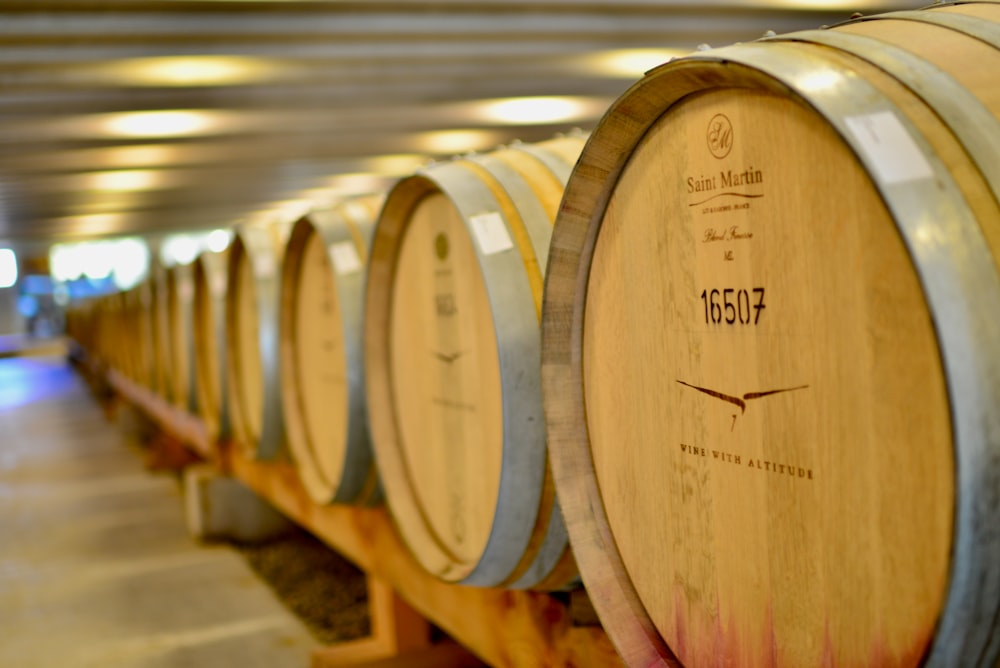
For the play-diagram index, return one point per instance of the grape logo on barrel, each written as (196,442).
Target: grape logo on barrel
(720,136)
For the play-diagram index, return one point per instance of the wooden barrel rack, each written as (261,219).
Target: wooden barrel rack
(499,627)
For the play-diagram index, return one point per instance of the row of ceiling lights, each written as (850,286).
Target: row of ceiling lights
(138,168)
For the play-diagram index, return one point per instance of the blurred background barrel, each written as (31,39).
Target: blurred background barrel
(160,333)
(141,333)
(452,357)
(112,334)
(771,351)
(209,324)
(180,305)
(252,360)
(322,381)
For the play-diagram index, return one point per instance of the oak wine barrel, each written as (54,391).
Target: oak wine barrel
(180,341)
(140,333)
(208,320)
(452,362)
(771,350)
(128,334)
(252,369)
(322,381)
(112,336)
(93,337)
(80,323)
(100,328)
(160,381)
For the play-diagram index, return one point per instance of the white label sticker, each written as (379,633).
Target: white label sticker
(345,258)
(491,233)
(264,268)
(889,147)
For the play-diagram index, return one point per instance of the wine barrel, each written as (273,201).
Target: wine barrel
(102,341)
(140,333)
(80,324)
(159,334)
(100,327)
(113,335)
(771,351)
(180,343)
(252,369)
(451,356)
(322,381)
(208,319)
(126,334)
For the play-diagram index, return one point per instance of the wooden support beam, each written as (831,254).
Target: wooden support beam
(504,627)
(182,425)
(218,507)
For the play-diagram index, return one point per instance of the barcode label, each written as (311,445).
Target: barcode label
(491,233)
(889,148)
(345,258)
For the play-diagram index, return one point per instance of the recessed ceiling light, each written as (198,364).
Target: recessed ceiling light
(626,63)
(175,123)
(125,180)
(539,110)
(92,224)
(450,142)
(191,71)
(396,165)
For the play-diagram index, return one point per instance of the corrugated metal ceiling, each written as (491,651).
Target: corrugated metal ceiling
(296,93)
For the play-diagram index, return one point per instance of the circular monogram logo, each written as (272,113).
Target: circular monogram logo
(441,245)
(720,136)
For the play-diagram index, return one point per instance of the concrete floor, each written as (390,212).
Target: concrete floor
(96,566)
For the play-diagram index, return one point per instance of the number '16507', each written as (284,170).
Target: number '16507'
(731,305)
